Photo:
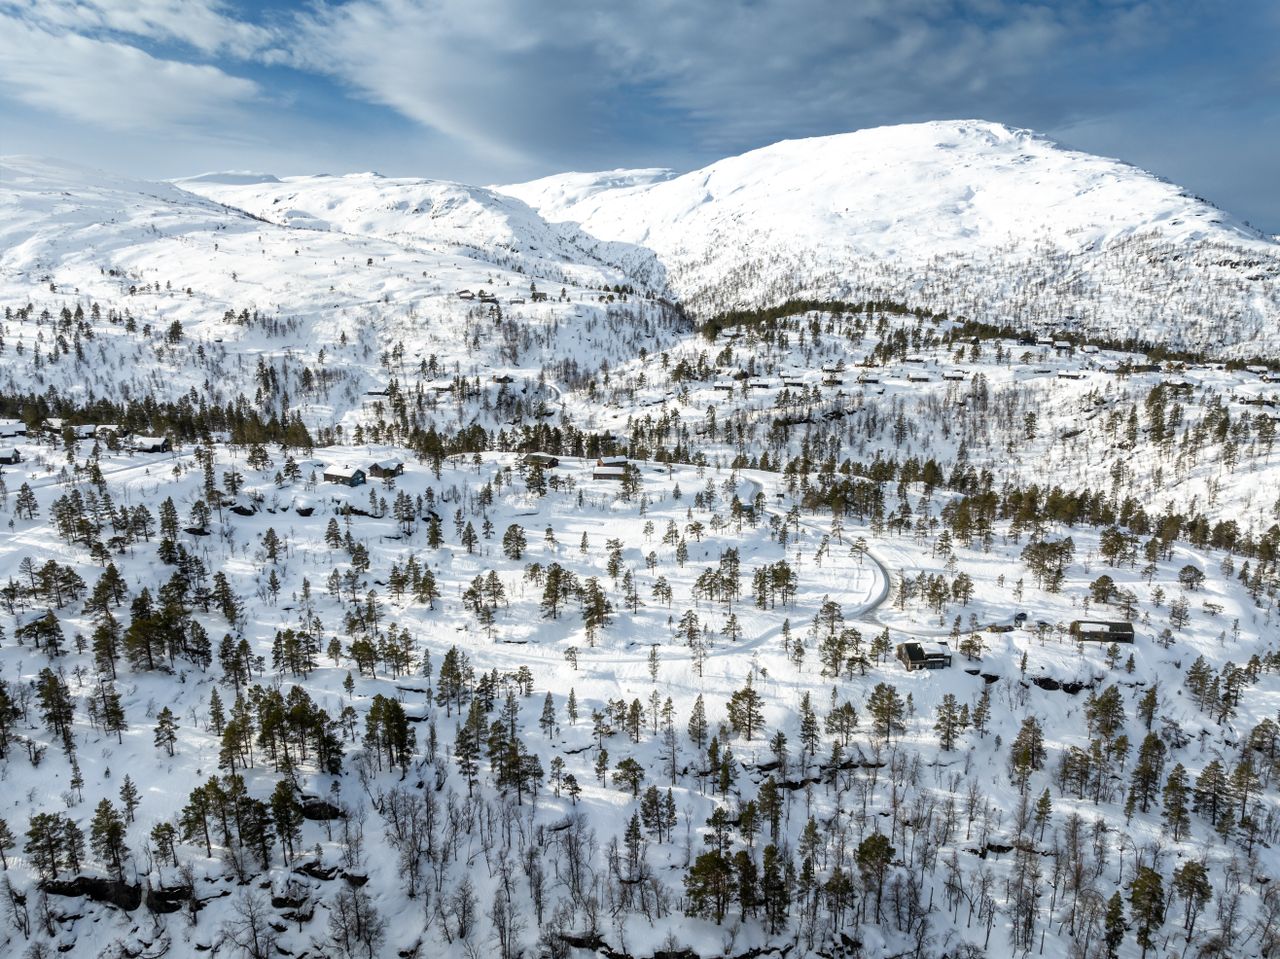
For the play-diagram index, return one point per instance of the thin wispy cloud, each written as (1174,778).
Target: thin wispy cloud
(111,85)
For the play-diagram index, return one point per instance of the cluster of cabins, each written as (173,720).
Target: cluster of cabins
(914,655)
(483,297)
(55,427)
(348,474)
(605,468)
(351,474)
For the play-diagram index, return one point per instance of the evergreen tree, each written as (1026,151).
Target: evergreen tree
(130,798)
(106,837)
(1114,925)
(775,888)
(166,734)
(1026,754)
(286,817)
(745,711)
(1147,771)
(874,855)
(886,708)
(1146,898)
(547,721)
(1176,813)
(44,845)
(7,842)
(630,775)
(947,725)
(698,723)
(1212,792)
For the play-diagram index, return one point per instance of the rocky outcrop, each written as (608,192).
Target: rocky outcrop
(109,891)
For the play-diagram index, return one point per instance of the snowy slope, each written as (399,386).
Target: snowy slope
(966,216)
(108,248)
(441,214)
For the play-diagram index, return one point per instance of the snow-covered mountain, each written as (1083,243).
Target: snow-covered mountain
(338,272)
(970,217)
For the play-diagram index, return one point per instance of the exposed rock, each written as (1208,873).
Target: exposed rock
(318,809)
(109,891)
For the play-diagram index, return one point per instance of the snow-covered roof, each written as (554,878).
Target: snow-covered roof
(342,469)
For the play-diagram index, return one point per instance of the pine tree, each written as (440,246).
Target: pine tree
(629,774)
(1026,754)
(1147,771)
(708,886)
(1212,792)
(597,610)
(286,817)
(1114,925)
(1105,713)
(1176,814)
(745,710)
(217,719)
(129,797)
(547,721)
(886,708)
(106,837)
(873,857)
(1044,810)
(775,888)
(1146,897)
(981,713)
(1147,706)
(166,734)
(947,725)
(698,723)
(7,842)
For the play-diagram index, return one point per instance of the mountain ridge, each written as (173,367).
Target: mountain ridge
(964,218)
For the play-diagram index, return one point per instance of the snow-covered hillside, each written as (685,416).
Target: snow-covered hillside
(121,261)
(969,217)
(391,568)
(434,214)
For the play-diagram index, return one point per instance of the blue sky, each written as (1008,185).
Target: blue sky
(503,90)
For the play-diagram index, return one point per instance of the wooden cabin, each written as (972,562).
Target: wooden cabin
(914,656)
(151,444)
(616,473)
(383,468)
(1101,631)
(10,456)
(545,460)
(344,475)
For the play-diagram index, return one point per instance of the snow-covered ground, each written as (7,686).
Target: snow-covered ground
(805,493)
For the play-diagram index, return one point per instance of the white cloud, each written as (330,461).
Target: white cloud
(520,79)
(113,85)
(206,25)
